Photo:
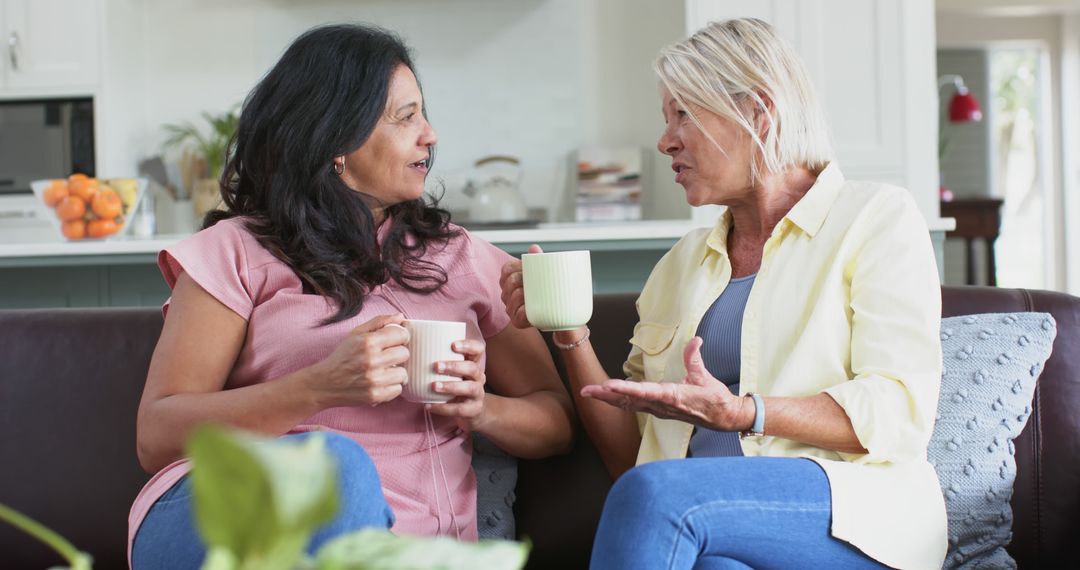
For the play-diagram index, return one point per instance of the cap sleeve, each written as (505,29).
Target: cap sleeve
(217,260)
(487,266)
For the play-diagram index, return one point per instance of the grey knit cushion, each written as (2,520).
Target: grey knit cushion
(991,364)
(496,477)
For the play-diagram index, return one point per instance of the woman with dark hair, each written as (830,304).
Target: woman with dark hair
(278,320)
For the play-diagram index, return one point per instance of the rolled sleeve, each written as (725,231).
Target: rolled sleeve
(895,337)
(215,259)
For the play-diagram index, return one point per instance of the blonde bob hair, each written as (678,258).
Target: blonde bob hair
(735,69)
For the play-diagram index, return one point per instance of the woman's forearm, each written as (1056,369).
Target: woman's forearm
(815,420)
(270,408)
(531,427)
(613,431)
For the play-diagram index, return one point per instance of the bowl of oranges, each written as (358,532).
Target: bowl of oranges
(82,207)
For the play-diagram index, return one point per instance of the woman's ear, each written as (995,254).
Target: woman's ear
(763,114)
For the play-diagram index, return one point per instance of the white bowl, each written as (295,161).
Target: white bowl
(40,186)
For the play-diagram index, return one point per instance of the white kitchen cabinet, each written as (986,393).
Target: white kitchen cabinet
(872,63)
(49,47)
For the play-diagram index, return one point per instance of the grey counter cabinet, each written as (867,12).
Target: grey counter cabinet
(134,281)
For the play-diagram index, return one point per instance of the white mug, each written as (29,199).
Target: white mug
(558,289)
(430,342)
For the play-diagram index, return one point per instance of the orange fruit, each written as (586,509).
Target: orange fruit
(102,227)
(83,187)
(56,191)
(74,229)
(107,203)
(71,208)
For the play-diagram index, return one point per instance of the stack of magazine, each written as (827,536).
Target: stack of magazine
(609,184)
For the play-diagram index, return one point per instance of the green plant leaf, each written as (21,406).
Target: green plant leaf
(218,558)
(77,559)
(381,550)
(258,498)
(212,145)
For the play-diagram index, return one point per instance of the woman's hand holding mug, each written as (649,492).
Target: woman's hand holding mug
(366,367)
(551,291)
(467,405)
(512,284)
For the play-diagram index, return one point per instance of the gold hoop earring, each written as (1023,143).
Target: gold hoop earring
(339,167)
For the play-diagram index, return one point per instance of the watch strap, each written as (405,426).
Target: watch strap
(758,429)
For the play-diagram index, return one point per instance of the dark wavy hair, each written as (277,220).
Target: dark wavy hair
(323,99)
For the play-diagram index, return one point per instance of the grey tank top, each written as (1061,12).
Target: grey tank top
(721,329)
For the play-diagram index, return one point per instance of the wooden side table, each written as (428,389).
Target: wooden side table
(976,218)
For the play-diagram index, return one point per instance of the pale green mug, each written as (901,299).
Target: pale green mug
(558,289)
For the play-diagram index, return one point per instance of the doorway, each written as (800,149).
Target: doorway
(1020,165)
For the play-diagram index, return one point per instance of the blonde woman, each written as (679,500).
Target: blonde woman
(791,351)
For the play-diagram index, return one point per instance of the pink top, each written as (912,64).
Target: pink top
(283,336)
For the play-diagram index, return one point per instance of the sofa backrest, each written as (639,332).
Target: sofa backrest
(70,382)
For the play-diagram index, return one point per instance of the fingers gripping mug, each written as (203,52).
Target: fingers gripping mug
(430,342)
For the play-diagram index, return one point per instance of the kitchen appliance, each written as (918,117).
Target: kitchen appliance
(493,189)
(43,139)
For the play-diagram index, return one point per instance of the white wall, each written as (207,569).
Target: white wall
(622,103)
(530,78)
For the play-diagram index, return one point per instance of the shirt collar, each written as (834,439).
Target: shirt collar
(808,213)
(717,239)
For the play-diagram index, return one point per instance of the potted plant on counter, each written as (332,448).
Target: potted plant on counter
(200,172)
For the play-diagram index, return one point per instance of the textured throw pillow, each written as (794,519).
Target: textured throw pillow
(991,364)
(496,477)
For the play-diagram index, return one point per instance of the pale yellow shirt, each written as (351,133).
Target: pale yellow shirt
(847,302)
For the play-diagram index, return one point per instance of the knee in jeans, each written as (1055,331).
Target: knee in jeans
(642,482)
(350,455)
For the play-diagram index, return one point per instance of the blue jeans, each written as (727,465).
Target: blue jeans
(168,538)
(722,512)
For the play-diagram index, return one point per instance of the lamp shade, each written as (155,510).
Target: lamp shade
(964,107)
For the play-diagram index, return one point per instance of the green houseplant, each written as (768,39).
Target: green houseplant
(76,560)
(259,500)
(211,145)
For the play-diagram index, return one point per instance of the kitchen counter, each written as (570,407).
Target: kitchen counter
(593,236)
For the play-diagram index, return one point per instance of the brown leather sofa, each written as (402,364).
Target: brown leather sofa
(70,382)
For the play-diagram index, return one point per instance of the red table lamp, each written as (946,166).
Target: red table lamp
(963,108)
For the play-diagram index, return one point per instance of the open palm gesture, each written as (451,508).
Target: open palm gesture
(698,399)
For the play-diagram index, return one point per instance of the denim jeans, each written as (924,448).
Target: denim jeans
(722,512)
(168,538)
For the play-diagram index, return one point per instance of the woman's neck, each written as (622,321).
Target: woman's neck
(754,218)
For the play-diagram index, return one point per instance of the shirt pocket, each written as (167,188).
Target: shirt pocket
(654,340)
